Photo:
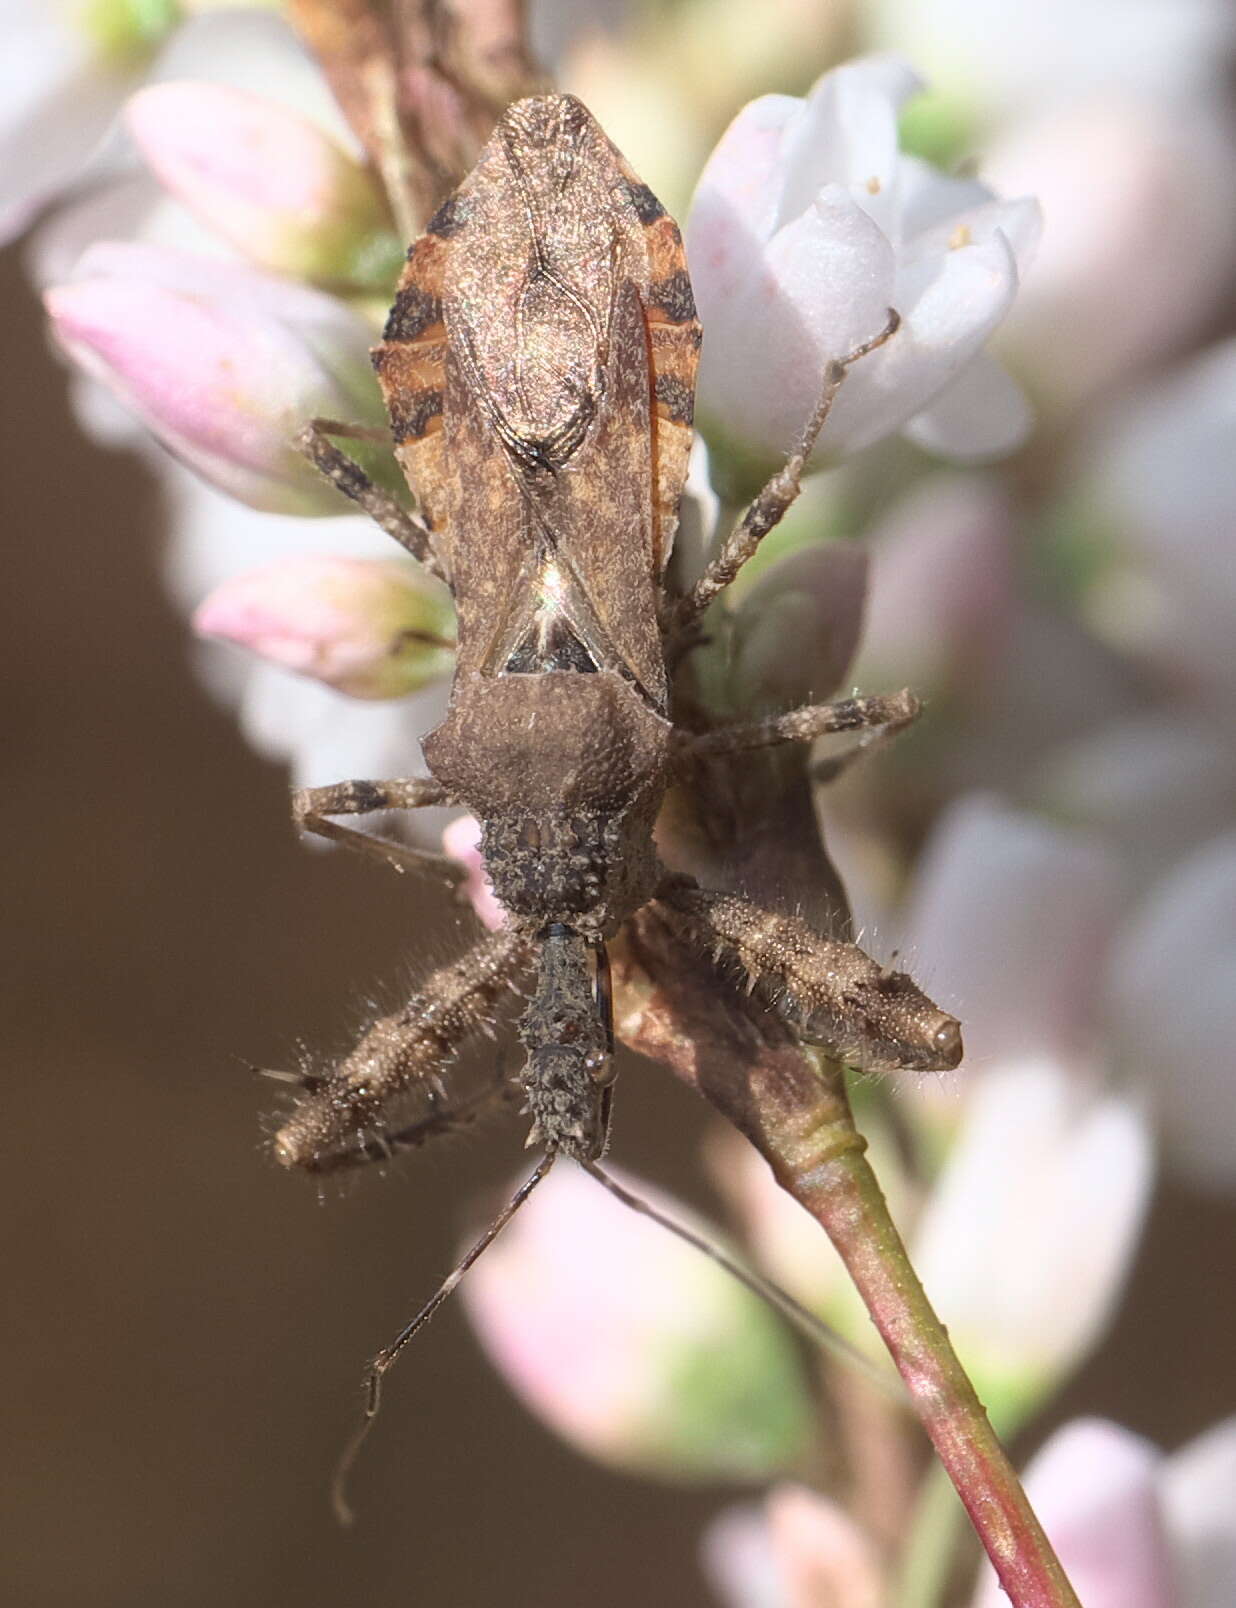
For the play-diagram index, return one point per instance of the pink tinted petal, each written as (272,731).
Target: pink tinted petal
(822,1554)
(633,1346)
(266,179)
(734,208)
(1094,1486)
(1008,927)
(1198,1490)
(1173,1009)
(462,841)
(823,286)
(736,1554)
(981,414)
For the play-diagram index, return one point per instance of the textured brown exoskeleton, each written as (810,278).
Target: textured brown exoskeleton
(538,368)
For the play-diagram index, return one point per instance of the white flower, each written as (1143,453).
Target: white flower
(1033,1224)
(1001,56)
(807,226)
(1172,1005)
(1160,478)
(1133,1528)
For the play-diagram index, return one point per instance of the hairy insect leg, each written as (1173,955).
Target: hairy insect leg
(771,504)
(312,807)
(879,718)
(389,1355)
(833,992)
(314,442)
(342,1118)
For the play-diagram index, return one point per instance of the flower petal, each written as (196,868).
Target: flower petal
(1173,1009)
(1197,1486)
(1026,1240)
(1008,926)
(981,414)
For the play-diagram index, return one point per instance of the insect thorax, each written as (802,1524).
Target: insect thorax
(565,773)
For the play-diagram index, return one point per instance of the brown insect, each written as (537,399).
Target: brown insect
(538,368)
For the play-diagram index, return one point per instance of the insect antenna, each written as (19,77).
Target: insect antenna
(387,1357)
(805,1321)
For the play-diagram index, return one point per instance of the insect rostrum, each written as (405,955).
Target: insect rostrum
(538,368)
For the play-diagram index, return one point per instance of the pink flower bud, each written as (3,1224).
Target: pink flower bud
(268,181)
(633,1346)
(223,364)
(373,628)
(462,841)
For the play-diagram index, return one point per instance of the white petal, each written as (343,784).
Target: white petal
(981,414)
(734,208)
(736,1554)
(822,286)
(1198,1487)
(1093,1485)
(1173,1009)
(1008,926)
(1026,1239)
(845,133)
(949,304)
(928,196)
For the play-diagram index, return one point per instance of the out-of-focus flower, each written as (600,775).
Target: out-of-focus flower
(941,592)
(1160,488)
(66,67)
(634,1347)
(373,628)
(64,71)
(462,841)
(798,1550)
(224,364)
(268,181)
(1156,784)
(1140,194)
(998,57)
(808,225)
(1172,1006)
(1135,1529)
(1025,1242)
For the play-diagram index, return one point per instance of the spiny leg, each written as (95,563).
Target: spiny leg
(311,807)
(345,473)
(389,1355)
(772,503)
(832,991)
(878,717)
(342,1118)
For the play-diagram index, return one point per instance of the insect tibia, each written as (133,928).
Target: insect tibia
(568,1067)
(353,1112)
(832,992)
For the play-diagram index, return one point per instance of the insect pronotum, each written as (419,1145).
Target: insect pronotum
(538,368)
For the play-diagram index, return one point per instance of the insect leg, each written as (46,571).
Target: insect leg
(344,1116)
(389,1355)
(878,718)
(833,992)
(771,504)
(311,807)
(345,473)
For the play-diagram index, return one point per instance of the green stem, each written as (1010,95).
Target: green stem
(818,1157)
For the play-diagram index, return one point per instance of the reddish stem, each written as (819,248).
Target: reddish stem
(795,1109)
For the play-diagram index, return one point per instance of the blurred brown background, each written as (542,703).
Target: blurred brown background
(187,1325)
